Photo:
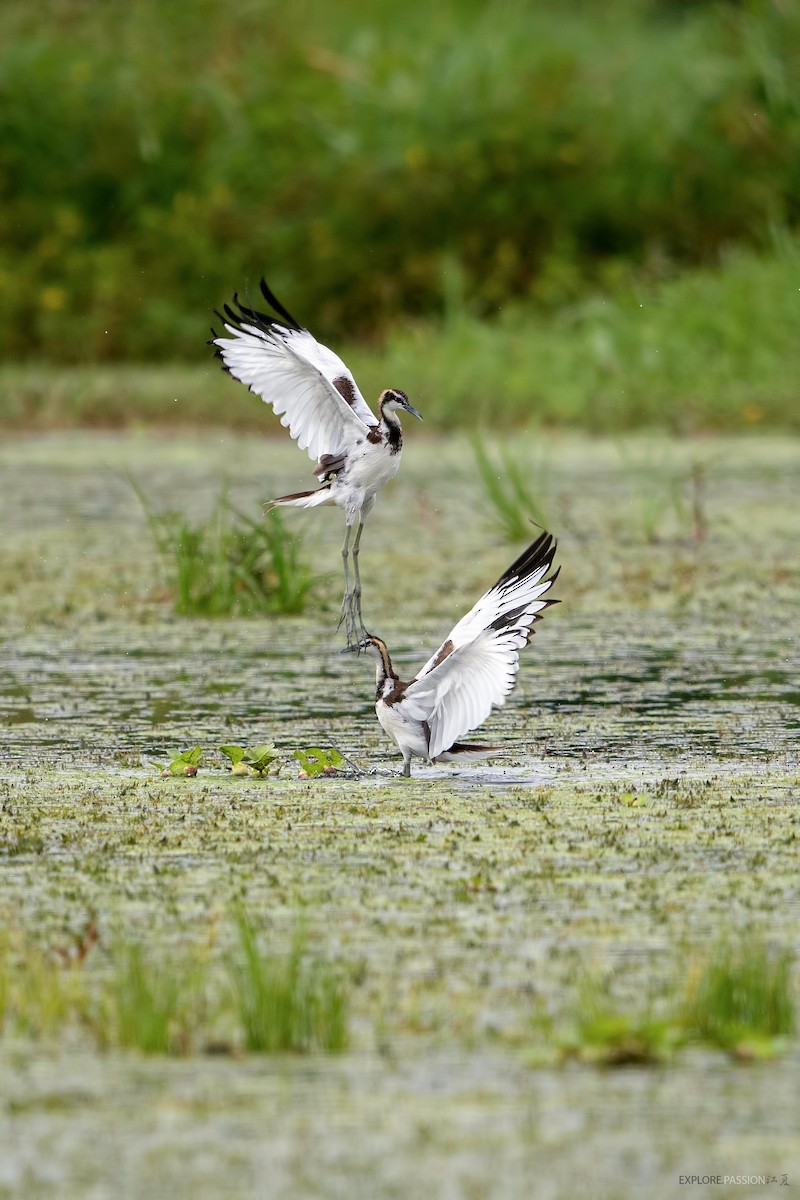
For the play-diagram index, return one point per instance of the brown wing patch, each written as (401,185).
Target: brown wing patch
(329,464)
(346,390)
(446,650)
(375,436)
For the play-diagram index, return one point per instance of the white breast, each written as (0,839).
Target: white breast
(408,734)
(371,466)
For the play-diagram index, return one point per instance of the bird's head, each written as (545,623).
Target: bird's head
(368,644)
(378,651)
(393,398)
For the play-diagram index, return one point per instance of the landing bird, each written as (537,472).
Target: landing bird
(317,398)
(472,671)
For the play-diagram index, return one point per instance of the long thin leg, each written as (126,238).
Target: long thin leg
(345,552)
(357,589)
(407,767)
(347,619)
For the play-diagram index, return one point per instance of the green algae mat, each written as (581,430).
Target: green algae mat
(517,942)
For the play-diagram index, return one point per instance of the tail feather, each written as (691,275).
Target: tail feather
(467,750)
(303,499)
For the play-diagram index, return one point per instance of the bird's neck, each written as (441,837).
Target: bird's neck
(384,671)
(392,429)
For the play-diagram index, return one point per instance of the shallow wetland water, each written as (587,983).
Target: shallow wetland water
(645,802)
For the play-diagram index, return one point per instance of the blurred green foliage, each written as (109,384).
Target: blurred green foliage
(374,159)
(714,349)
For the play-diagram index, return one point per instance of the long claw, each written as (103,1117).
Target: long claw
(347,618)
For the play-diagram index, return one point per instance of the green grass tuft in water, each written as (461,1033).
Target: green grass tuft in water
(150,1000)
(608,1032)
(288,1003)
(736,996)
(229,564)
(152,1003)
(517,491)
(40,996)
(741,995)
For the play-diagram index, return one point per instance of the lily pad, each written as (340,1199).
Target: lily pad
(317,761)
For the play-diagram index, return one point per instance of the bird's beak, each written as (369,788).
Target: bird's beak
(410,408)
(355,648)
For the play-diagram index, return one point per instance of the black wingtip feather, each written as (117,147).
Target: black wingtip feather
(272,299)
(538,616)
(538,557)
(259,318)
(539,554)
(264,321)
(252,314)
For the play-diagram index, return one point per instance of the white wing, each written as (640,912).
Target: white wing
(476,668)
(308,386)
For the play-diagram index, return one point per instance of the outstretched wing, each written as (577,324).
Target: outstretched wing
(476,667)
(308,386)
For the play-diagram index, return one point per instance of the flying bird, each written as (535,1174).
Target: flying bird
(318,400)
(473,670)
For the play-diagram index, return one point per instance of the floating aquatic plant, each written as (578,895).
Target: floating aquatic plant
(318,761)
(186,763)
(254,760)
